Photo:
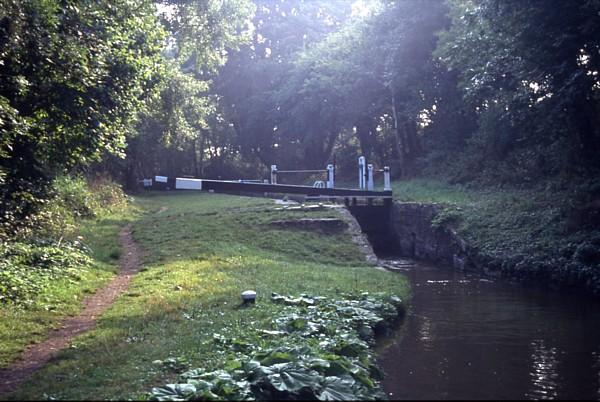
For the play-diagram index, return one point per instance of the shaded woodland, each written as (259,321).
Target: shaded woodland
(506,89)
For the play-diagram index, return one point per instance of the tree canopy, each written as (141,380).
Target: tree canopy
(500,90)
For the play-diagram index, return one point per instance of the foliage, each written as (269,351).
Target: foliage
(529,70)
(75,196)
(26,269)
(73,77)
(70,199)
(327,357)
(450,88)
(448,216)
(182,131)
(48,247)
(227,88)
(206,31)
(252,81)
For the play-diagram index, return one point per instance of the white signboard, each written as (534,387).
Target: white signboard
(160,179)
(188,184)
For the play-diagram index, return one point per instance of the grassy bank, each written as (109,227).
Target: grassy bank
(200,252)
(49,279)
(538,234)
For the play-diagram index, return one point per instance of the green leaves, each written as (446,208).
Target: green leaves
(25,269)
(303,300)
(315,363)
(277,356)
(336,389)
(173,392)
(86,80)
(72,81)
(525,69)
(289,377)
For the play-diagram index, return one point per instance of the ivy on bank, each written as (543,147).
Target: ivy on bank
(328,354)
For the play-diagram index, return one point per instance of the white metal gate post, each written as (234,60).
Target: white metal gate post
(387,185)
(361,172)
(273,174)
(370,177)
(330,178)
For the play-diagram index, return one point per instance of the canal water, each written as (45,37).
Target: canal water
(466,337)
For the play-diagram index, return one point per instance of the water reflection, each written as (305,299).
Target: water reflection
(425,333)
(472,338)
(543,371)
(597,368)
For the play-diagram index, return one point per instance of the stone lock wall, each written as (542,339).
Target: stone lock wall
(375,222)
(418,238)
(406,229)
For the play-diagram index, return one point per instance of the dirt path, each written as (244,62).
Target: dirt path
(37,355)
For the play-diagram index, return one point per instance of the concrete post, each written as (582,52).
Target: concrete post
(362,162)
(370,177)
(387,185)
(273,174)
(330,178)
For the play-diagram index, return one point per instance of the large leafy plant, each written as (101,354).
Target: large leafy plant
(327,355)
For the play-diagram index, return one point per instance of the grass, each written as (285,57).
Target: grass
(20,326)
(200,251)
(427,190)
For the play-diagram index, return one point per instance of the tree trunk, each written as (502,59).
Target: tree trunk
(363,133)
(412,146)
(329,147)
(195,157)
(399,140)
(202,151)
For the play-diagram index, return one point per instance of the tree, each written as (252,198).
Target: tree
(250,82)
(405,36)
(72,77)
(182,130)
(529,69)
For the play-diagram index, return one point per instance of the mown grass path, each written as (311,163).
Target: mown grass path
(37,355)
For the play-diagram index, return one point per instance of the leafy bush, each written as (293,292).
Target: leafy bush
(86,200)
(448,215)
(46,246)
(74,195)
(25,269)
(327,355)
(108,195)
(74,199)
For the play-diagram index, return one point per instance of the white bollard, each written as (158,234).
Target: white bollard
(387,185)
(330,178)
(273,174)
(370,177)
(248,296)
(361,172)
